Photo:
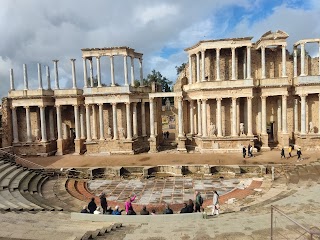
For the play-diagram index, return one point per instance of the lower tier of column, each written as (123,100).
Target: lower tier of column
(42,149)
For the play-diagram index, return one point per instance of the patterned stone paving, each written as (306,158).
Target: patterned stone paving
(170,190)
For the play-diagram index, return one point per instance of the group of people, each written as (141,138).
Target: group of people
(166,134)
(250,151)
(189,207)
(283,155)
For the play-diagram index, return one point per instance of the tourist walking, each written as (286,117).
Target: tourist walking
(289,151)
(199,202)
(244,152)
(103,203)
(92,206)
(215,203)
(299,154)
(282,153)
(128,206)
(249,152)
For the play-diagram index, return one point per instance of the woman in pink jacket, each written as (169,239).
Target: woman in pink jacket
(128,206)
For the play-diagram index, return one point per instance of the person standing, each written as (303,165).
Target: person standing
(128,205)
(92,206)
(299,154)
(282,153)
(199,202)
(289,151)
(215,203)
(244,152)
(249,152)
(103,203)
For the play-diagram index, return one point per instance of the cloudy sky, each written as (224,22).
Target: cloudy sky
(35,31)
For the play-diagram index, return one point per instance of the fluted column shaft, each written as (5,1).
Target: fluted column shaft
(284,114)
(319,112)
(132,71)
(98,72)
(302,56)
(40,76)
(204,118)
(74,79)
(43,124)
(125,69)
(56,73)
(113,83)
(11,79)
(264,115)
(152,129)
(303,113)
(190,69)
(85,74)
(48,77)
(88,122)
(284,73)
(249,109)
(180,117)
(59,122)
(279,115)
(234,117)
(94,122)
(203,58)
(198,67)
(233,64)
(91,72)
(76,121)
(82,127)
(115,121)
(248,62)
(143,119)
(295,62)
(191,118)
(296,120)
(141,72)
(128,117)
(28,122)
(25,77)
(219,118)
(218,64)
(15,125)
(263,62)
(51,123)
(199,118)
(101,121)
(135,119)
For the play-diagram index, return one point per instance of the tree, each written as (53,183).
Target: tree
(181,68)
(95,82)
(156,76)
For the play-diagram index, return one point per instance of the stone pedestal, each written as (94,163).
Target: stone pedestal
(181,144)
(60,147)
(153,145)
(77,146)
(264,142)
(284,140)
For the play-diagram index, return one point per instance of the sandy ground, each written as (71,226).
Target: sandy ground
(171,158)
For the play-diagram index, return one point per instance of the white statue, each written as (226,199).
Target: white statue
(109,131)
(212,129)
(242,129)
(311,128)
(168,105)
(121,133)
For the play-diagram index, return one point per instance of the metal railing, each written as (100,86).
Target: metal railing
(285,227)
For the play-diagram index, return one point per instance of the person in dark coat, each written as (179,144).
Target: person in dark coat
(244,152)
(282,153)
(92,206)
(168,210)
(185,209)
(103,203)
(190,206)
(144,211)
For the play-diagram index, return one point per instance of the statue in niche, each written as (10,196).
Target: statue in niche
(242,129)
(311,127)
(212,130)
(121,133)
(168,105)
(109,132)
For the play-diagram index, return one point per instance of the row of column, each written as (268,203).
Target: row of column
(263,61)
(233,65)
(113,82)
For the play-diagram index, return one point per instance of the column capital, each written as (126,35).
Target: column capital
(100,104)
(87,105)
(263,47)
(233,48)
(203,50)
(98,57)
(248,47)
(234,98)
(41,107)
(250,98)
(140,59)
(55,60)
(180,98)
(75,105)
(114,104)
(218,49)
(72,59)
(304,95)
(263,97)
(219,99)
(151,98)
(127,103)
(84,58)
(14,107)
(204,99)
(284,96)
(57,105)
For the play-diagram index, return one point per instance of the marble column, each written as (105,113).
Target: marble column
(51,124)
(91,72)
(284,114)
(203,58)
(190,69)
(15,125)
(141,72)
(218,64)
(28,123)
(152,128)
(302,56)
(48,77)
(264,114)
(114,121)
(135,119)
(296,114)
(76,121)
(40,76)
(85,74)
(88,123)
(249,108)
(279,116)
(74,80)
(319,65)
(11,80)
(132,71)
(128,117)
(56,73)
(43,124)
(180,118)
(143,119)
(198,67)
(94,122)
(244,64)
(191,118)
(82,126)
(284,60)
(219,118)
(234,117)
(249,63)
(303,113)
(199,117)
(125,69)
(25,77)
(204,118)
(319,113)
(295,62)
(233,64)
(113,83)
(98,71)
(59,122)
(101,121)
(263,62)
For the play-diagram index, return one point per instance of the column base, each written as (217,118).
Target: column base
(181,145)
(77,146)
(60,147)
(284,140)
(264,142)
(153,145)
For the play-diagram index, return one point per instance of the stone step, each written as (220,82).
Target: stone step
(24,183)
(72,190)
(17,200)
(7,171)
(14,184)
(4,182)
(34,183)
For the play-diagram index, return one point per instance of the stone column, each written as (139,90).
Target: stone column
(76,121)
(51,124)
(85,75)
(191,118)
(303,113)
(128,117)
(219,118)
(143,119)
(82,127)
(125,69)
(11,80)
(218,64)
(114,121)
(113,83)
(233,65)
(48,77)
(59,122)
(319,68)
(204,118)
(234,117)
(263,62)
(141,72)
(249,63)
(88,123)
(135,119)
(180,118)
(101,121)
(296,121)
(39,76)
(198,67)
(151,103)
(25,77)
(94,122)
(91,72)
(249,108)
(74,80)
(302,56)
(279,116)
(319,113)
(203,55)
(15,125)
(284,114)
(295,62)
(28,122)
(43,124)
(199,118)
(190,69)
(56,74)
(132,71)
(98,71)
(264,115)
(284,60)
(244,64)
